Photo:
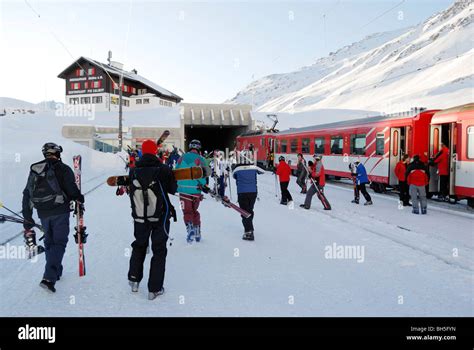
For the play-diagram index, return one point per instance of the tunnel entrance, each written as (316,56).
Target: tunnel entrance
(213,137)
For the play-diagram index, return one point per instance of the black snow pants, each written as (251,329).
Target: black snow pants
(285,194)
(247,202)
(159,237)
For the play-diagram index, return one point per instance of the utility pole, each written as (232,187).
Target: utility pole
(120,135)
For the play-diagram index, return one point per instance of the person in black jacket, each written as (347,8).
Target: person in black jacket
(150,182)
(50,189)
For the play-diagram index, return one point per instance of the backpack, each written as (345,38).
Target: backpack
(44,189)
(146,195)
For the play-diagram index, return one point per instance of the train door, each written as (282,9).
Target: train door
(396,150)
(271,153)
(451,131)
(435,146)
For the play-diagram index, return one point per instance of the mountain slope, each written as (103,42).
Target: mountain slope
(426,65)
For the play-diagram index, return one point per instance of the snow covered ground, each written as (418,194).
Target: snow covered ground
(411,266)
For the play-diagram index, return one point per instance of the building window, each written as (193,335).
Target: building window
(125,88)
(358,144)
(75,86)
(319,145)
(74,100)
(141,91)
(125,103)
(283,146)
(470,142)
(336,144)
(134,91)
(115,86)
(139,101)
(380,144)
(97,84)
(85,100)
(146,101)
(86,85)
(79,72)
(91,71)
(96,99)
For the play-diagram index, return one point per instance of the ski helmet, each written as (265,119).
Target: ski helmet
(280,158)
(317,156)
(195,144)
(51,148)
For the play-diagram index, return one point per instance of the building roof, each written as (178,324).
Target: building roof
(127,75)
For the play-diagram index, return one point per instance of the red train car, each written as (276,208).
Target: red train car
(262,143)
(379,142)
(455,128)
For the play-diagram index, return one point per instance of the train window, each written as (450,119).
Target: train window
(283,146)
(294,146)
(319,145)
(470,142)
(380,144)
(358,144)
(435,140)
(305,146)
(395,143)
(262,142)
(336,144)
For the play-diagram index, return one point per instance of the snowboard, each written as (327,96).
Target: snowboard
(179,174)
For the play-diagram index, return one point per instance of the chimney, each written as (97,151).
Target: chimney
(109,57)
(134,71)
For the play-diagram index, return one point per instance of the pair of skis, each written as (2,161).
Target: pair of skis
(80,235)
(225,201)
(319,193)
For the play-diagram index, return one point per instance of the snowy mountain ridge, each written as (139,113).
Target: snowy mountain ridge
(429,65)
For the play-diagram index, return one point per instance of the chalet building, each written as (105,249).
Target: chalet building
(91,82)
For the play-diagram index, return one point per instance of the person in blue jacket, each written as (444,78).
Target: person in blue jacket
(190,192)
(245,176)
(358,170)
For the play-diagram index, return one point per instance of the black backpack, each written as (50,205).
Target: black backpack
(44,189)
(146,195)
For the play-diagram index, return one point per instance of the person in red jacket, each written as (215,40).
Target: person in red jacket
(400,172)
(284,171)
(417,178)
(442,159)
(316,173)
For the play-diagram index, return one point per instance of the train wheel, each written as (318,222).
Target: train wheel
(378,187)
(470,202)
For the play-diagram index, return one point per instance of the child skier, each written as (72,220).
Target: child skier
(284,171)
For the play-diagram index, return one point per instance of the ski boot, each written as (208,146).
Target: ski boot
(47,285)
(154,295)
(415,211)
(191,232)
(197,233)
(356,201)
(248,236)
(304,206)
(423,211)
(134,285)
(368,203)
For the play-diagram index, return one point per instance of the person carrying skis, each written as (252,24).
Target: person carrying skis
(190,191)
(417,178)
(400,172)
(301,173)
(361,179)
(319,177)
(442,160)
(50,188)
(283,171)
(245,176)
(219,169)
(150,182)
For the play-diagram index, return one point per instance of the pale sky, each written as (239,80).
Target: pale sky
(202,51)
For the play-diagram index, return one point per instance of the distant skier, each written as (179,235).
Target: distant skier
(190,193)
(400,172)
(245,176)
(442,160)
(319,177)
(173,158)
(219,170)
(283,171)
(301,173)
(50,188)
(417,178)
(150,183)
(361,179)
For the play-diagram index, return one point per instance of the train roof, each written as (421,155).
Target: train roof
(353,122)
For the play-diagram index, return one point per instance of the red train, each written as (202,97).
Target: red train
(379,142)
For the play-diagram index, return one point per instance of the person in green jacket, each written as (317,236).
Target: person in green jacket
(190,193)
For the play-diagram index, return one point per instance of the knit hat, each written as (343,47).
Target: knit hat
(149,147)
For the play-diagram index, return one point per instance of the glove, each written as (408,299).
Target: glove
(30,238)
(28,224)
(205,189)
(81,199)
